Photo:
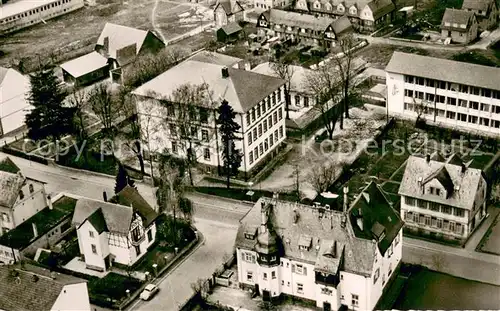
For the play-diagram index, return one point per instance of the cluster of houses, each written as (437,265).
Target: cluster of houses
(465,24)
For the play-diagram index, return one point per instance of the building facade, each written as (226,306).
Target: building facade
(257,100)
(365,15)
(486,12)
(446,93)
(14,105)
(110,233)
(459,26)
(442,198)
(272,4)
(335,259)
(21,198)
(24,13)
(228,11)
(323,31)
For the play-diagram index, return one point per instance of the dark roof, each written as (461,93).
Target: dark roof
(454,159)
(291,221)
(458,17)
(19,292)
(243,89)
(98,222)
(231,28)
(215,58)
(230,6)
(294,19)
(7,165)
(116,217)
(45,220)
(129,196)
(381,7)
(444,70)
(483,5)
(378,217)
(465,184)
(10,184)
(342,25)
(436,156)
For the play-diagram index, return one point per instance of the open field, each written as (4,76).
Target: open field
(75,34)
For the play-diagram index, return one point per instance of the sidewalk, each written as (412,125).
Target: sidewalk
(477,235)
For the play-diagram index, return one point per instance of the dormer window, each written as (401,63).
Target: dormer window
(328,7)
(340,8)
(353,10)
(305,243)
(317,5)
(31,188)
(249,236)
(21,195)
(463,26)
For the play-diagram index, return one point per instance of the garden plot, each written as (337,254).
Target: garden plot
(177,19)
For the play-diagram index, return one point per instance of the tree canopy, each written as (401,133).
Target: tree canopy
(228,128)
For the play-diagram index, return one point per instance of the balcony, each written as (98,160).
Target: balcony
(326,279)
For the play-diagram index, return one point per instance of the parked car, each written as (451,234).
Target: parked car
(149,291)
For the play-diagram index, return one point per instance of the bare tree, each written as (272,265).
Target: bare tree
(346,70)
(322,177)
(324,84)
(189,110)
(421,107)
(77,100)
(285,71)
(106,108)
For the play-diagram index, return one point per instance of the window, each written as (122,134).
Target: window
(280,113)
(256,153)
(204,135)
(486,92)
(451,115)
(276,136)
(415,218)
(421,219)
(279,94)
(409,216)
(409,201)
(427,220)
(430,82)
(265,126)
(174,147)
(249,138)
(376,275)
(452,226)
(459,229)
(248,118)
(281,131)
(275,117)
(263,108)
(445,209)
(173,129)
(421,204)
(463,88)
(137,250)
(409,93)
(420,81)
(452,101)
(250,157)
(249,276)
(306,102)
(429,97)
(439,223)
(253,114)
(248,257)
(150,235)
(475,90)
(273,275)
(299,269)
(484,121)
(274,98)
(31,188)
(254,133)
(354,300)
(194,132)
(300,288)
(260,130)
(206,154)
(271,141)
(409,79)
(474,105)
(21,195)
(5,217)
(91,234)
(459,212)
(270,121)
(264,276)
(261,149)
(266,145)
(94,248)
(258,111)
(433,222)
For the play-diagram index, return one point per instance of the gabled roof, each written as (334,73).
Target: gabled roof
(10,184)
(357,257)
(242,89)
(294,19)
(298,80)
(465,185)
(85,64)
(380,220)
(444,70)
(380,8)
(12,85)
(129,196)
(230,6)
(215,58)
(342,25)
(117,218)
(231,28)
(6,165)
(482,5)
(3,73)
(121,36)
(458,17)
(98,222)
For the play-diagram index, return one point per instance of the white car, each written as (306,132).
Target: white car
(149,291)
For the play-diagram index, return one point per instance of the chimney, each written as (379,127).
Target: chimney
(225,72)
(35,230)
(105,44)
(428,158)
(346,201)
(464,168)
(263,215)
(49,202)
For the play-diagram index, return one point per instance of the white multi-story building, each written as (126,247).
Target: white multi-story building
(111,233)
(20,198)
(446,93)
(271,4)
(16,15)
(258,101)
(442,198)
(332,258)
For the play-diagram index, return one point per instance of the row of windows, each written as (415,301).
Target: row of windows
(466,89)
(194,113)
(206,151)
(264,126)
(434,222)
(445,209)
(453,101)
(193,132)
(453,115)
(34,11)
(262,108)
(21,193)
(268,142)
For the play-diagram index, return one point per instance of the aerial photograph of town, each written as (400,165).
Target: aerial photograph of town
(285,155)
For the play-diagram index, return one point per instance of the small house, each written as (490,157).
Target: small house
(486,12)
(14,105)
(228,11)
(459,25)
(85,69)
(229,32)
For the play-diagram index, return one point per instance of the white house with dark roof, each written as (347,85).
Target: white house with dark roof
(20,197)
(258,101)
(444,198)
(365,15)
(318,30)
(14,105)
(25,290)
(111,233)
(335,259)
(446,93)
(459,25)
(486,12)
(228,11)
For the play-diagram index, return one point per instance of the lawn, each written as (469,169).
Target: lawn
(429,290)
(111,289)
(478,57)
(490,243)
